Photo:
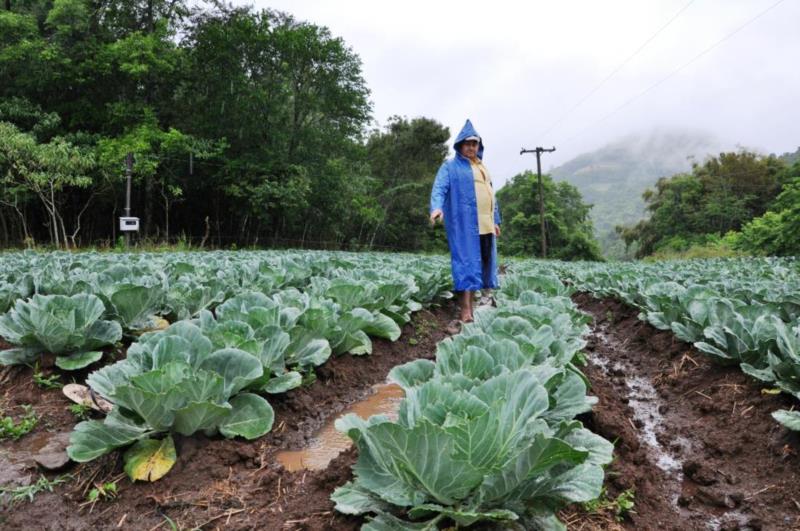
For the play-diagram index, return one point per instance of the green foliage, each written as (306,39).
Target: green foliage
(775,233)
(28,493)
(403,162)
(68,326)
(705,246)
(46,382)
(48,172)
(81,411)
(270,109)
(9,429)
(619,506)
(718,196)
(104,491)
(569,231)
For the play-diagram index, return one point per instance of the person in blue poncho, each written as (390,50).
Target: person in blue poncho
(463,198)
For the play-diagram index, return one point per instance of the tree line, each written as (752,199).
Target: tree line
(246,128)
(737,201)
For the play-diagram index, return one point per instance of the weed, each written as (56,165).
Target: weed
(619,507)
(80,410)
(28,492)
(309,378)
(15,430)
(46,382)
(105,491)
(424,327)
(609,316)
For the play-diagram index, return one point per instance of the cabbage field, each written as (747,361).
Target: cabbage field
(574,403)
(740,312)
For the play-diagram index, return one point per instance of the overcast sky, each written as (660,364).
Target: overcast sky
(517,68)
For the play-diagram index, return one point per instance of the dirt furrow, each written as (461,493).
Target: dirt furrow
(693,439)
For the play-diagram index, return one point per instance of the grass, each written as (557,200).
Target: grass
(29,492)
(9,429)
(710,250)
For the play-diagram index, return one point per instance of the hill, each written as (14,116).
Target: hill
(613,177)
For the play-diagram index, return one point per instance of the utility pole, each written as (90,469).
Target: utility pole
(128,172)
(539,151)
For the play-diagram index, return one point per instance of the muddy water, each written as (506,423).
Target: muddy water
(44,449)
(644,401)
(328,442)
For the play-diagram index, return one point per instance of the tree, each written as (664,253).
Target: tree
(403,161)
(49,172)
(718,196)
(568,228)
(775,233)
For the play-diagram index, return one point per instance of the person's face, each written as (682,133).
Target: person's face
(469,148)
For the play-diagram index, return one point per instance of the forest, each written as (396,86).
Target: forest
(246,128)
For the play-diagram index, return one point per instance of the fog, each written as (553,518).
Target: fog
(723,69)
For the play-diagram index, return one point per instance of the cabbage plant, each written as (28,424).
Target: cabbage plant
(174,381)
(486,432)
(483,454)
(67,326)
(277,334)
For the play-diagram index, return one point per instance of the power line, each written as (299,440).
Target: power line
(615,71)
(674,72)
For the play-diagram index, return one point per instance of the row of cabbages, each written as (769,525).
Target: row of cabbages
(487,432)
(738,311)
(179,285)
(74,304)
(207,372)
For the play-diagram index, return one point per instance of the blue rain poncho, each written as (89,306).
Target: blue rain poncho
(454,193)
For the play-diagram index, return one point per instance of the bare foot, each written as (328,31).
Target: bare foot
(453,327)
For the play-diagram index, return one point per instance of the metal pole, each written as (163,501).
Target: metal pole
(128,172)
(539,151)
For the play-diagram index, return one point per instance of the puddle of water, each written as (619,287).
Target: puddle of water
(328,442)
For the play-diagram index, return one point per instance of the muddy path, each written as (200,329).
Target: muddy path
(694,440)
(217,483)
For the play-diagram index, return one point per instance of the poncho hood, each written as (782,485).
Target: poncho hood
(467,131)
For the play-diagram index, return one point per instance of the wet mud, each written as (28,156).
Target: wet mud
(219,483)
(694,440)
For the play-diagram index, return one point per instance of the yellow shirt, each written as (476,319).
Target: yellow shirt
(485,197)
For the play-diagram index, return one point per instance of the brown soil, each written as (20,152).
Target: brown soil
(219,483)
(729,465)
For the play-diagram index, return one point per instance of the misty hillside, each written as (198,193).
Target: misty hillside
(613,178)
(791,158)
